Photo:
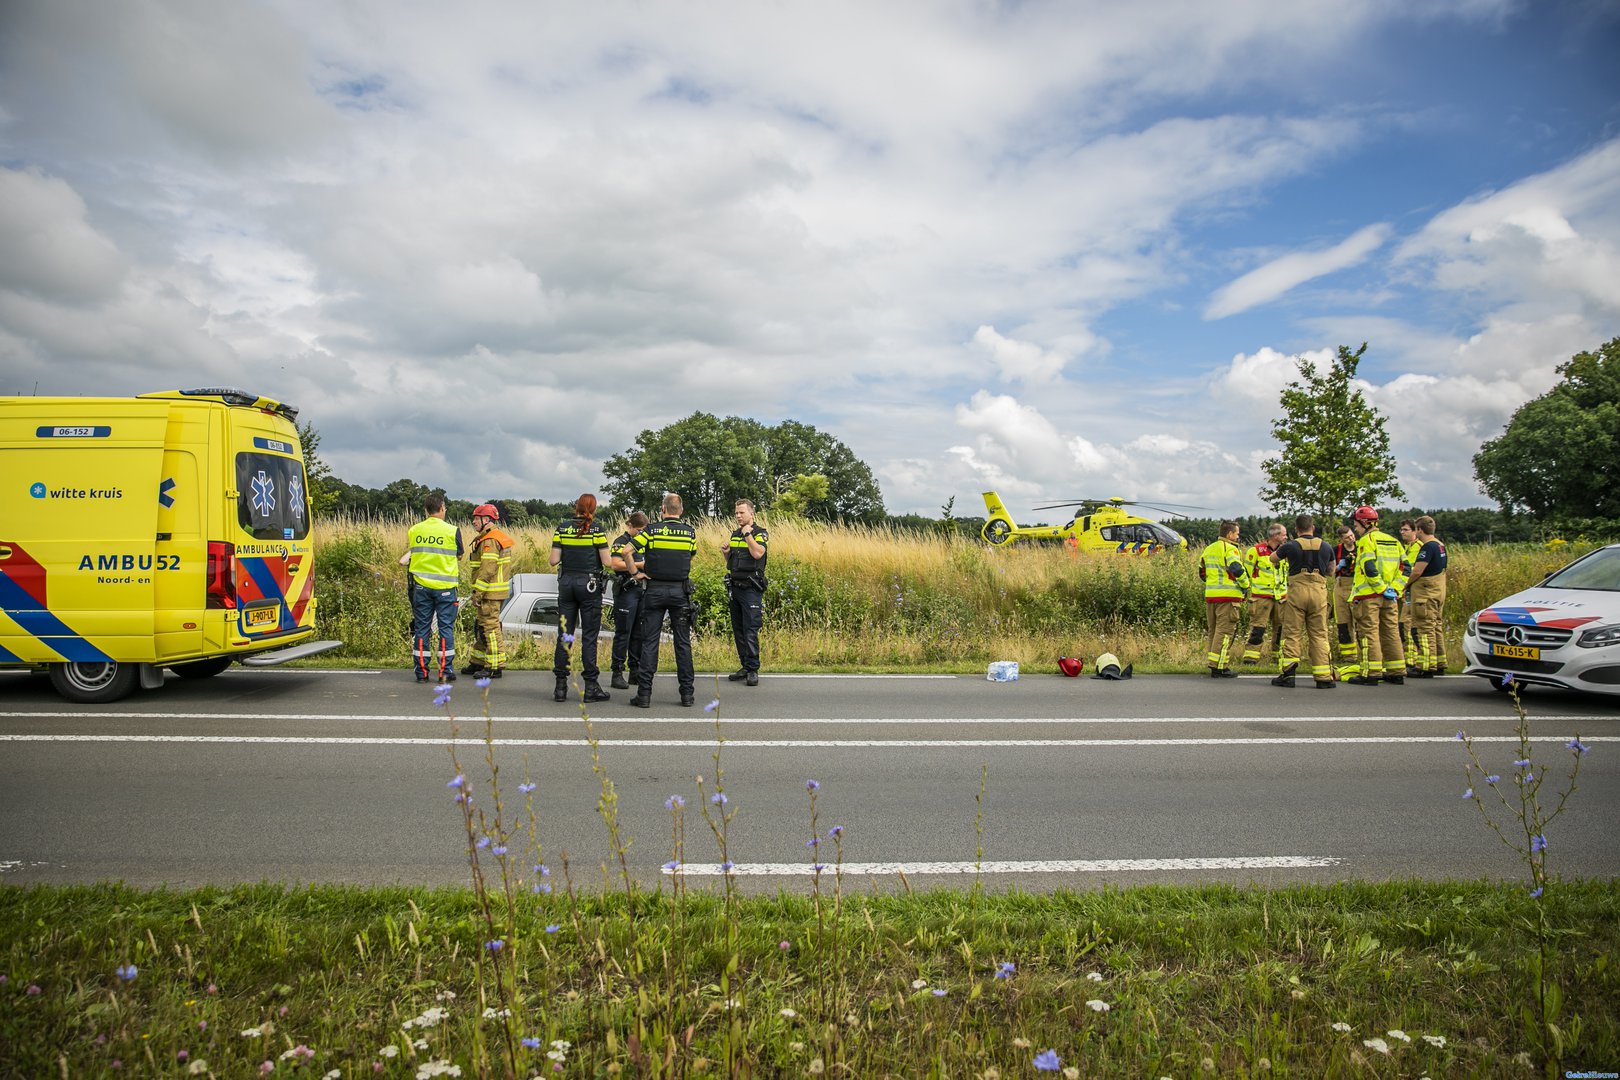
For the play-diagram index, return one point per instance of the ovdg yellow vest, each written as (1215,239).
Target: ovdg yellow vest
(433,554)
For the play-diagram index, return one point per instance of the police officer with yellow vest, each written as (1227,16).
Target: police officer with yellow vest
(1225,583)
(490,563)
(581,547)
(433,553)
(1308,562)
(667,547)
(1376,599)
(745,586)
(1267,591)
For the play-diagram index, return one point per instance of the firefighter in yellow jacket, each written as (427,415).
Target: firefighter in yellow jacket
(491,564)
(1225,583)
(1377,595)
(1268,590)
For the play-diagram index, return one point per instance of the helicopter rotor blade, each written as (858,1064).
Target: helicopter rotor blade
(1162,507)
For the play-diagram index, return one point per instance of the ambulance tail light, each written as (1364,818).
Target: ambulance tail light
(221,575)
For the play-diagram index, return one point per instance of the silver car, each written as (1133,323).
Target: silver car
(1563,632)
(531,608)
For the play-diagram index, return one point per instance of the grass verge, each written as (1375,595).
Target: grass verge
(1311,981)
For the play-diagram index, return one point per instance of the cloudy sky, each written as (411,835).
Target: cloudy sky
(1063,249)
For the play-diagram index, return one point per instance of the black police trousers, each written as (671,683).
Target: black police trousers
(662,596)
(745,622)
(626,626)
(579,611)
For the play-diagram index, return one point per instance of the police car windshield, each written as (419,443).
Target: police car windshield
(1599,571)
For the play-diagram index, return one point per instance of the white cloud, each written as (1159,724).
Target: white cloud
(1265,283)
(1019,361)
(51,249)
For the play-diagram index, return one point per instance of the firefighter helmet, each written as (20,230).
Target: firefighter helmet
(1366,515)
(487,510)
(1071,666)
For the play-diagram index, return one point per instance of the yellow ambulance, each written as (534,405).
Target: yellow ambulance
(169,530)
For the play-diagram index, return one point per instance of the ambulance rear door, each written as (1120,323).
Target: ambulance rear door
(275,577)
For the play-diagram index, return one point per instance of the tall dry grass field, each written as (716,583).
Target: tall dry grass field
(862,598)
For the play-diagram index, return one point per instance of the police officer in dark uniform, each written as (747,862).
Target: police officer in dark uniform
(666,547)
(582,549)
(626,601)
(745,584)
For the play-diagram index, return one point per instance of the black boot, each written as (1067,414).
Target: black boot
(1286,676)
(561,693)
(618,681)
(1225,673)
(1325,684)
(594,692)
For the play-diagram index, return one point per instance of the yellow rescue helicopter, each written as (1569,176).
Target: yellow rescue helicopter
(1097,525)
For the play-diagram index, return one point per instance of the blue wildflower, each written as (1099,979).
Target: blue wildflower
(1005,969)
(495,946)
(553,928)
(1538,843)
(526,788)
(835,832)
(127,972)
(540,888)
(1493,778)
(1047,1061)
(1469,794)
(1522,762)
(1576,745)
(1459,736)
(674,802)
(568,639)
(814,841)
(940,991)
(727,866)
(483,842)
(672,865)
(811,785)
(542,869)
(719,798)
(483,682)
(1529,776)
(713,704)
(531,1042)
(1536,893)
(818,867)
(457,782)
(498,849)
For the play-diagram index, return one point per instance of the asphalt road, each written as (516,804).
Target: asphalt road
(306,776)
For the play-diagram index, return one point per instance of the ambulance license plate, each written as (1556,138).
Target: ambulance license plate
(1517,652)
(257,618)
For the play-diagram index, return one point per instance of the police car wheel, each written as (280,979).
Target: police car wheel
(95,682)
(201,669)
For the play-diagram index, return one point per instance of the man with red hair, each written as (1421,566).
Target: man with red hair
(581,547)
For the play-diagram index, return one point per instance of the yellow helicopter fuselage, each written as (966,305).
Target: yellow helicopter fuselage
(1105,528)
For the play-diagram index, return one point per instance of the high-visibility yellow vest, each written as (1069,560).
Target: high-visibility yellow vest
(433,554)
(1378,564)
(1219,583)
(1266,578)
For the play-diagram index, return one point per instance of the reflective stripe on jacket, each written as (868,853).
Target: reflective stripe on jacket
(668,545)
(491,564)
(1223,573)
(1265,578)
(432,549)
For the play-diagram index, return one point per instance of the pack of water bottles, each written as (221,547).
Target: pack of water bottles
(1002,671)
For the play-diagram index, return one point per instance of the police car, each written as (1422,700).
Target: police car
(1564,632)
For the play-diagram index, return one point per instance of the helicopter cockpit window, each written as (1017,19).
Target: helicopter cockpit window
(1167,535)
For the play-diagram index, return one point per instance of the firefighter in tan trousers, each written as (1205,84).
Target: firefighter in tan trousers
(1428,593)
(1377,594)
(1344,575)
(1226,582)
(1308,563)
(1268,589)
(490,561)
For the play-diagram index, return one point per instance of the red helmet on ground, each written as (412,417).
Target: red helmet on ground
(488,510)
(1366,515)
(1071,666)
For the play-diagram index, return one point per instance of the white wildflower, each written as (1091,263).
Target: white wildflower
(919,984)
(795,1046)
(1071,1073)
(1296,994)
(1094,976)
(560,1044)
(493,1013)
(1376,1044)
(252,1033)
(1096,1005)
(1397,1033)
(1340,1025)
(445,995)
(1436,1041)
(388,1051)
(815,1067)
(1021,1042)
(556,1055)
(335,1074)
(428,1018)
(789,1013)
(420,1044)
(1523,1058)
(437,1067)
(198,1067)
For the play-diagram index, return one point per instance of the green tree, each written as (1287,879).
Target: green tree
(712,462)
(801,493)
(323,486)
(1335,451)
(1559,456)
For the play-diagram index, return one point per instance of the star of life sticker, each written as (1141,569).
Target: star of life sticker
(264,494)
(295,497)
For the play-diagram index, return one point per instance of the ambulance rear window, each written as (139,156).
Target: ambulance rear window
(273,503)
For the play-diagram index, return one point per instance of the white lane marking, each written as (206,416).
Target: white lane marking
(708,719)
(816,744)
(1044,866)
(298,671)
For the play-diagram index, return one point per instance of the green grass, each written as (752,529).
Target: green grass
(1200,981)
